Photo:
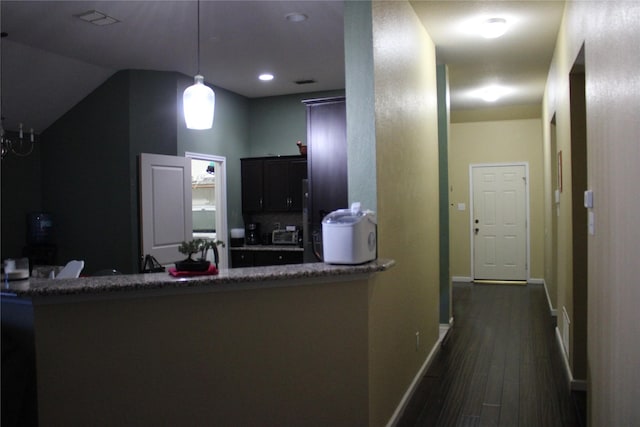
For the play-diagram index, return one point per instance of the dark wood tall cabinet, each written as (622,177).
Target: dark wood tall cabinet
(327,158)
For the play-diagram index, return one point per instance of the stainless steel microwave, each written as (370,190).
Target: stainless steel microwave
(284,237)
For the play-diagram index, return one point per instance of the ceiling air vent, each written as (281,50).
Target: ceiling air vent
(96,18)
(305,82)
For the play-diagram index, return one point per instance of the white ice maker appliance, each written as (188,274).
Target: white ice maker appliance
(349,236)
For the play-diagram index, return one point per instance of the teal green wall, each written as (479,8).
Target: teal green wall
(443,168)
(152,129)
(247,128)
(89,167)
(229,137)
(21,194)
(276,123)
(85,171)
(361,134)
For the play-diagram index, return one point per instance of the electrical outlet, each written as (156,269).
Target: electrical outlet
(417,340)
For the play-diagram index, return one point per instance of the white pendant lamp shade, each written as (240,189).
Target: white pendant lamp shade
(199,103)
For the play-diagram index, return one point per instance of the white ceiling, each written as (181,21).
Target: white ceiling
(518,61)
(51,60)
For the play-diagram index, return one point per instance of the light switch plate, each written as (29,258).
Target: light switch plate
(461,206)
(588,199)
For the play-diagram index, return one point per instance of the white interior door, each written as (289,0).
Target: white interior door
(165,205)
(499,223)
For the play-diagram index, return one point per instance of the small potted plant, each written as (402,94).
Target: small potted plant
(197,246)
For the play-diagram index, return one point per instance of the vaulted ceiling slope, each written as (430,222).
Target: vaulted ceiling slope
(51,59)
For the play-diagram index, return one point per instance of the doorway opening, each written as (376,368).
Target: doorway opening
(209,200)
(579,217)
(553,212)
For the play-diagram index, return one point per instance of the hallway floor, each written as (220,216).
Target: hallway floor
(499,365)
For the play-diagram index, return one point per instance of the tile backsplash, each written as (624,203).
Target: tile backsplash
(273,221)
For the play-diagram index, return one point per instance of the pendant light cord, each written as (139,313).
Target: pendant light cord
(198,42)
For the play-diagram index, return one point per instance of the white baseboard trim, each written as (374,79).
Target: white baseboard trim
(574,384)
(552,310)
(444,329)
(395,418)
(535,281)
(461,279)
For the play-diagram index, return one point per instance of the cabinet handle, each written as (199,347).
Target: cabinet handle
(260,202)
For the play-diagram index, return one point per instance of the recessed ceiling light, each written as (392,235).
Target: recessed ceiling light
(493,28)
(97,18)
(265,77)
(296,17)
(491,93)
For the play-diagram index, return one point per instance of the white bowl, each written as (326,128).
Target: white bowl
(237,233)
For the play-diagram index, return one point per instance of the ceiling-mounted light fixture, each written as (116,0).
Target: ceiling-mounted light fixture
(491,93)
(17,142)
(198,99)
(493,28)
(296,17)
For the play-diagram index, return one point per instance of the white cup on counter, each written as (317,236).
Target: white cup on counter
(16,269)
(9,265)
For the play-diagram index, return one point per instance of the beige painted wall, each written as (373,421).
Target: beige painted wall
(494,142)
(610,35)
(279,356)
(405,299)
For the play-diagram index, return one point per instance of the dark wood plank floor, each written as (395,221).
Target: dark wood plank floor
(498,366)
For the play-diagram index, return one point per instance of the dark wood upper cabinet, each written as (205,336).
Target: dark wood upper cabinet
(273,184)
(297,173)
(252,185)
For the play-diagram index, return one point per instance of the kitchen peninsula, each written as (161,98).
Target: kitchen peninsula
(279,345)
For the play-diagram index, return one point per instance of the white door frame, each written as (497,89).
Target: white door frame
(221,198)
(528,219)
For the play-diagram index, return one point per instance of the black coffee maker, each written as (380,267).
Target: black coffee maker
(252,234)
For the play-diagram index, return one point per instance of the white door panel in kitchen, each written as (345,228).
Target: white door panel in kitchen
(165,205)
(499,223)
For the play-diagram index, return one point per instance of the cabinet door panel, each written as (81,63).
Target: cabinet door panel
(276,194)
(277,258)
(252,185)
(297,172)
(242,259)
